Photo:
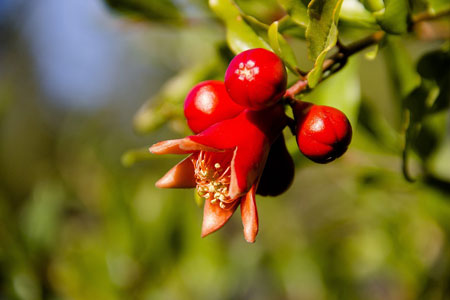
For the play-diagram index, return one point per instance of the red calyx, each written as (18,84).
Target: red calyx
(208,103)
(323,132)
(256,79)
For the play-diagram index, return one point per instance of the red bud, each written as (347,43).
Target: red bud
(256,79)
(208,103)
(323,132)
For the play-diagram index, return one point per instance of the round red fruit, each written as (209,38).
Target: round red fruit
(256,79)
(208,103)
(323,132)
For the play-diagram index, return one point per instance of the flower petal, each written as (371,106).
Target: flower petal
(247,165)
(249,215)
(180,176)
(179,146)
(215,217)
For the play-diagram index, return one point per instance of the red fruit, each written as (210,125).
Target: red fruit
(256,79)
(208,103)
(323,132)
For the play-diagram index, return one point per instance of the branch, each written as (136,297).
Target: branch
(427,16)
(295,89)
(336,62)
(346,51)
(339,59)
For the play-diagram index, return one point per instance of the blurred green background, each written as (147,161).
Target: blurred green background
(79,219)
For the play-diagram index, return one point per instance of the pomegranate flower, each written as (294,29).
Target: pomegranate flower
(225,164)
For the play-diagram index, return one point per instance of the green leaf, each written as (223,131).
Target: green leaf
(418,6)
(273,38)
(439,5)
(322,28)
(354,14)
(133,156)
(435,66)
(321,34)
(395,19)
(417,106)
(297,9)
(161,10)
(282,48)
(373,5)
(372,53)
(287,26)
(428,139)
(417,102)
(240,36)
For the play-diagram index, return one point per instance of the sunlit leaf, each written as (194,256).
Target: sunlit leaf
(281,47)
(273,38)
(287,26)
(439,5)
(321,34)
(297,10)
(355,15)
(372,53)
(240,36)
(373,5)
(395,17)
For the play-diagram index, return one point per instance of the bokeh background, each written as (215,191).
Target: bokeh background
(80,217)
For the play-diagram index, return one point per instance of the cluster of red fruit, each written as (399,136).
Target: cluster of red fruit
(239,148)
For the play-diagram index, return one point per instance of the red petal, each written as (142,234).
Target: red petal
(246,166)
(249,215)
(179,146)
(215,217)
(180,176)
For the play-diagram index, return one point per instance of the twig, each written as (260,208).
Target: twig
(335,62)
(346,51)
(427,16)
(295,89)
(340,58)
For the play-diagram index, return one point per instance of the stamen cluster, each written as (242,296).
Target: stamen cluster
(212,179)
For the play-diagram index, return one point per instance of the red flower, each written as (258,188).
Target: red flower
(225,165)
